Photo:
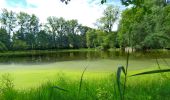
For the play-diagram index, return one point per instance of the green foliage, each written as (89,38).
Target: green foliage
(104,38)
(42,40)
(28,33)
(101,40)
(143,26)
(7,91)
(91,36)
(4,37)
(2,47)
(19,45)
(110,16)
(4,40)
(66,34)
(142,30)
(8,21)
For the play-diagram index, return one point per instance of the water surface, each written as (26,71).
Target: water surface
(103,60)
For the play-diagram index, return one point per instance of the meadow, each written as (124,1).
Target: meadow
(94,86)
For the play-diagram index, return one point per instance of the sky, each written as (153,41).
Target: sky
(85,11)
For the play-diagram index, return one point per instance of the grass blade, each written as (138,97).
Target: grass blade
(127,63)
(60,88)
(126,72)
(119,70)
(152,72)
(81,79)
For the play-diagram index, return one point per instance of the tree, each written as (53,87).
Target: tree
(51,28)
(72,32)
(110,16)
(19,45)
(8,20)
(28,27)
(125,28)
(82,32)
(2,47)
(57,27)
(91,38)
(65,33)
(142,30)
(23,20)
(4,39)
(33,30)
(42,40)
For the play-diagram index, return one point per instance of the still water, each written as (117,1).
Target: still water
(96,59)
(37,57)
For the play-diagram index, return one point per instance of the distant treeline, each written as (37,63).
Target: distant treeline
(140,28)
(21,31)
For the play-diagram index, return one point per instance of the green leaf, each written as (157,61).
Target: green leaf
(119,70)
(152,72)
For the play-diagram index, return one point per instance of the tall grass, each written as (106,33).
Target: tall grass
(138,88)
(123,69)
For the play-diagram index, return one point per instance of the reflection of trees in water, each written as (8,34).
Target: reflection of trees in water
(83,55)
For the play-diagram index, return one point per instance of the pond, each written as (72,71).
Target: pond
(31,68)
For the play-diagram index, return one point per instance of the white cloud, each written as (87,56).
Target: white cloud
(85,13)
(2,3)
(76,9)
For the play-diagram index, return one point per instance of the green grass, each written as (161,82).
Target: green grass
(94,87)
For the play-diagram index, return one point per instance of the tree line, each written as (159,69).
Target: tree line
(21,31)
(140,28)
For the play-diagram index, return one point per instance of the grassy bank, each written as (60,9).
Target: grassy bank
(93,87)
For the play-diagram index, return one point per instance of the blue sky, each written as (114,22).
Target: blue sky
(85,11)
(19,3)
